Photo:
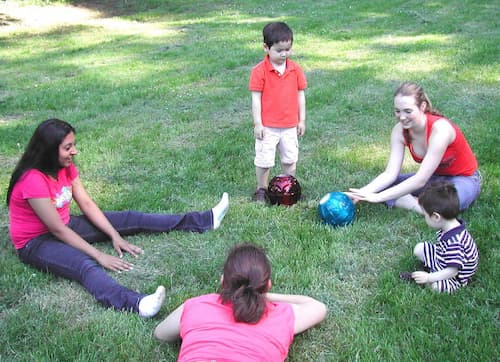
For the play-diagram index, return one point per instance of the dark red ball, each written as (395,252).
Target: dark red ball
(284,190)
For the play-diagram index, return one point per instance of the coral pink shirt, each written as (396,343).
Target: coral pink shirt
(210,333)
(280,100)
(458,159)
(24,223)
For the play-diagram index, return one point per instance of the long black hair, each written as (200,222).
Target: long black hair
(247,272)
(42,151)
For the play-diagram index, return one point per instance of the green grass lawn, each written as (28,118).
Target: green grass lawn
(157,91)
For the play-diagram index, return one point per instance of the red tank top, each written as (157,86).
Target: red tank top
(458,159)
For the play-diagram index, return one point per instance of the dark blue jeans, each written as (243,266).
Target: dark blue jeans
(49,254)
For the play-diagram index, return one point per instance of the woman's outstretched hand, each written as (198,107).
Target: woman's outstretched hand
(120,245)
(358,195)
(114,263)
(352,197)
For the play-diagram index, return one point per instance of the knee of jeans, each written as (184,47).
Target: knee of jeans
(87,265)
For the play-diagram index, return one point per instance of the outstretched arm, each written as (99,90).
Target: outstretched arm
(169,329)
(441,136)
(96,216)
(308,311)
(389,175)
(50,217)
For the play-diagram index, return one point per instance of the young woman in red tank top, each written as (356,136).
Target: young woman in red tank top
(434,142)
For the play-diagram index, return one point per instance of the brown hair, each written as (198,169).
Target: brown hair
(247,272)
(442,198)
(414,90)
(276,32)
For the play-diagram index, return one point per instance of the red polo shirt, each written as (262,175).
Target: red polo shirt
(280,104)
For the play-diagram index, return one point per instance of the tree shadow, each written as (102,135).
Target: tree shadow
(6,20)
(110,8)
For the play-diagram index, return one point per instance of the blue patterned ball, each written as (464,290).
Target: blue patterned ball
(336,209)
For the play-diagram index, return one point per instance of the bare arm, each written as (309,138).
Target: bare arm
(393,167)
(422,277)
(301,128)
(96,216)
(169,329)
(258,128)
(308,311)
(442,135)
(50,217)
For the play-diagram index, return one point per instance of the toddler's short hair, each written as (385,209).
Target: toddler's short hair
(440,197)
(275,32)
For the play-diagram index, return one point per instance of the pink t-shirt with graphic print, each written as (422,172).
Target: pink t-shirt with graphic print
(24,223)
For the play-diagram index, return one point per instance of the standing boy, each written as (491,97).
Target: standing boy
(453,260)
(278,106)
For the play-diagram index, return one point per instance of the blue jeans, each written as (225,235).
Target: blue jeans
(468,187)
(49,254)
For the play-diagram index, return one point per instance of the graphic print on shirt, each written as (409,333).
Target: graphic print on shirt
(64,197)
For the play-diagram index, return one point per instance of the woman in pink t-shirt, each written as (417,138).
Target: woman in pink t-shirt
(46,236)
(434,142)
(244,322)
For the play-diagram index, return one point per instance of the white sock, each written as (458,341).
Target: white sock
(219,210)
(151,304)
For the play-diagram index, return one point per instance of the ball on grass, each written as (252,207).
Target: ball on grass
(336,209)
(284,190)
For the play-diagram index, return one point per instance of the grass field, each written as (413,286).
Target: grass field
(157,91)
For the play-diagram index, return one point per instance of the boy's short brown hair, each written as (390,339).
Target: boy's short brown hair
(276,32)
(442,198)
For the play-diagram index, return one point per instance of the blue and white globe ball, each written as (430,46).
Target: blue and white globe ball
(336,209)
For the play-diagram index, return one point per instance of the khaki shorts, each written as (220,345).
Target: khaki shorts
(285,139)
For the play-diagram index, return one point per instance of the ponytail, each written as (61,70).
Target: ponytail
(245,281)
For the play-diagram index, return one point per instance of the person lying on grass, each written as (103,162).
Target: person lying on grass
(244,322)
(434,142)
(453,260)
(46,236)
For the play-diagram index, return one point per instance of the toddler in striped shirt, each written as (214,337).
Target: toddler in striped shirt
(453,259)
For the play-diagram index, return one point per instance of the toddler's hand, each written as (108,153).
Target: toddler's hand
(301,128)
(258,131)
(420,277)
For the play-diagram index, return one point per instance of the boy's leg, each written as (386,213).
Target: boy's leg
(446,286)
(265,153)
(51,255)
(262,175)
(289,150)
(289,168)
